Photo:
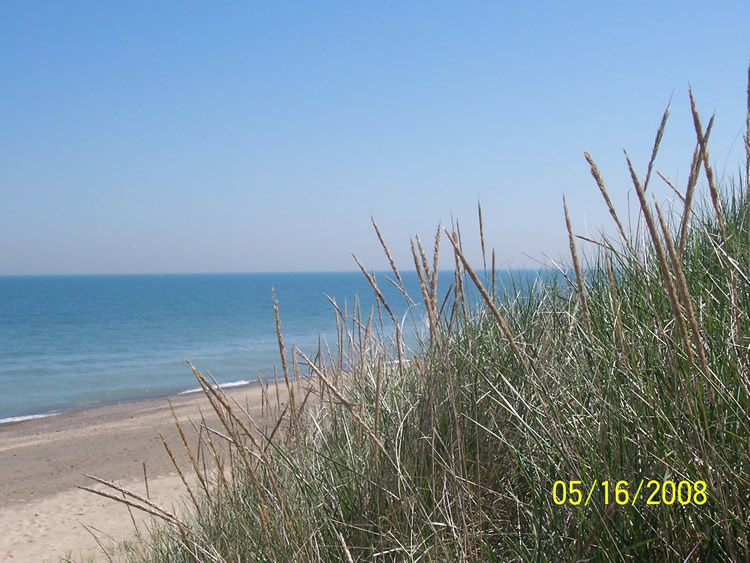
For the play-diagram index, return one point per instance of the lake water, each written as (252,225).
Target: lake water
(74,341)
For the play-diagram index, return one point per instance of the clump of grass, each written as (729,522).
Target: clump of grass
(633,368)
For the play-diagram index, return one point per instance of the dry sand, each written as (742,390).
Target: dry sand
(44,516)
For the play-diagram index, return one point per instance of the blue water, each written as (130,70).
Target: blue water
(74,341)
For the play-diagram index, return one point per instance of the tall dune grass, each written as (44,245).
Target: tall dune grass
(633,366)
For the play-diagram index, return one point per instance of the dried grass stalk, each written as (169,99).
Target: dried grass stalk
(490,303)
(579,274)
(707,167)
(600,182)
(661,258)
(294,430)
(695,166)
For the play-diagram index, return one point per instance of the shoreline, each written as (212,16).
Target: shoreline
(43,512)
(132,399)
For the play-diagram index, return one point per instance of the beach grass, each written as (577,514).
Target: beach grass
(600,415)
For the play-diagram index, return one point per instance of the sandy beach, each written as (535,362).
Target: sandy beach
(45,517)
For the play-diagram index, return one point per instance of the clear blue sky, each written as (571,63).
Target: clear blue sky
(261,136)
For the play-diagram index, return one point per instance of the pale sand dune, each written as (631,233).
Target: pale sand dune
(42,461)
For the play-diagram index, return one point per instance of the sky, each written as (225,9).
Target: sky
(166,137)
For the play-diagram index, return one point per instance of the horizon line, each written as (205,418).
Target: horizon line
(264,272)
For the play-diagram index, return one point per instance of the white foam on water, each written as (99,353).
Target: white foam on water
(221,386)
(22,418)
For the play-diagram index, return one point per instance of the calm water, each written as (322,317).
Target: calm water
(74,341)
